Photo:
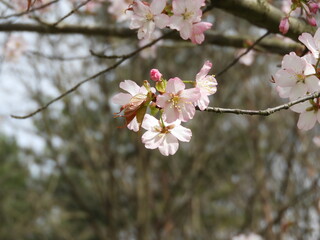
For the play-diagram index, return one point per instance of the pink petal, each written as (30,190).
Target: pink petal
(161,20)
(178,6)
(293,62)
(204,70)
(163,100)
(186,30)
(152,143)
(157,6)
(169,146)
(182,133)
(298,90)
(307,120)
(175,85)
(190,95)
(203,102)
(170,114)
(187,112)
(308,40)
(130,86)
(283,78)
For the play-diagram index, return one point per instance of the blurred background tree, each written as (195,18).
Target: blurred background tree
(91,180)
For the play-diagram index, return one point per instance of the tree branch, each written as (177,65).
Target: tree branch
(273,45)
(265,112)
(263,14)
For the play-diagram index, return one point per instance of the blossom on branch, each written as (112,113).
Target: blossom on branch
(309,113)
(207,85)
(146,17)
(296,77)
(163,135)
(312,43)
(178,103)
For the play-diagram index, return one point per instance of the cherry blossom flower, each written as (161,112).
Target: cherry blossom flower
(177,103)
(309,113)
(207,85)
(186,13)
(312,43)
(296,77)
(163,135)
(197,36)
(146,18)
(118,9)
(131,102)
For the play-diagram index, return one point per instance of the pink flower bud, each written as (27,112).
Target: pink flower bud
(284,25)
(155,75)
(313,7)
(312,21)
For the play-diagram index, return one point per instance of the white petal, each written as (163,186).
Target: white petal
(283,78)
(298,90)
(149,122)
(157,6)
(153,143)
(313,84)
(203,102)
(134,125)
(293,62)
(182,133)
(130,86)
(169,146)
(161,20)
(175,85)
(121,98)
(307,120)
(301,107)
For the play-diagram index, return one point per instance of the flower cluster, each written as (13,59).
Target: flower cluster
(170,102)
(183,16)
(299,76)
(308,9)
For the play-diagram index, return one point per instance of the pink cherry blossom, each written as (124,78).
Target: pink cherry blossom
(309,113)
(177,103)
(312,43)
(207,85)
(296,76)
(313,7)
(163,135)
(197,36)
(186,13)
(146,18)
(312,21)
(284,25)
(131,102)
(118,9)
(155,75)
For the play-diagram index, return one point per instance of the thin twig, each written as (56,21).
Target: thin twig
(74,88)
(240,56)
(99,55)
(265,112)
(30,10)
(70,13)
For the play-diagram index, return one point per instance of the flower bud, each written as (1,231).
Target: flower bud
(313,7)
(312,21)
(155,75)
(284,25)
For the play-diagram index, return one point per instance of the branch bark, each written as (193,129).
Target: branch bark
(273,45)
(262,14)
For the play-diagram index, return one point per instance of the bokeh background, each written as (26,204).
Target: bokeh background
(69,172)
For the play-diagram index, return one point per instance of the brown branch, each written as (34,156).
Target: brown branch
(273,45)
(239,57)
(265,112)
(71,12)
(263,14)
(74,88)
(30,10)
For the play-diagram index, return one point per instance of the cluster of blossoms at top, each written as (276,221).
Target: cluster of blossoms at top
(182,15)
(308,9)
(169,104)
(299,76)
